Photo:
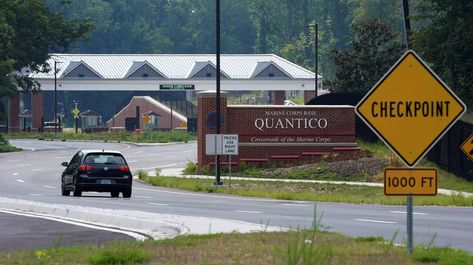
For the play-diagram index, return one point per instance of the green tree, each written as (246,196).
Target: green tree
(375,48)
(28,32)
(445,41)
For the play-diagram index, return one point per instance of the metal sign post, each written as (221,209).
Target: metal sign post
(230,147)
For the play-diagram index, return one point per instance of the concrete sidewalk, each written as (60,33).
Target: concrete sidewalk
(177,172)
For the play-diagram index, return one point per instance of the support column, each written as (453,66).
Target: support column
(308,95)
(13,111)
(37,106)
(278,97)
(205,105)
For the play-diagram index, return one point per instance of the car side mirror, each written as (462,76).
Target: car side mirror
(65,164)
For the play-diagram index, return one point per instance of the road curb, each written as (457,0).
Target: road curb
(116,219)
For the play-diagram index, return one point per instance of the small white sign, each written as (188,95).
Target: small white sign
(230,144)
(213,144)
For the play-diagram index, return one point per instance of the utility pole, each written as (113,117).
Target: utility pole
(316,49)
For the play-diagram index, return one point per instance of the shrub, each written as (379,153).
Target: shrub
(142,175)
(190,169)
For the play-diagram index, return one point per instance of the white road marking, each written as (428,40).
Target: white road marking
(14,160)
(163,166)
(127,146)
(49,187)
(138,152)
(188,151)
(375,221)
(36,195)
(92,226)
(208,196)
(158,204)
(22,165)
(295,204)
(15,174)
(132,161)
(243,211)
(143,197)
(170,165)
(19,180)
(170,156)
(37,169)
(403,212)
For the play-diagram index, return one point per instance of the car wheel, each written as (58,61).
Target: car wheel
(65,192)
(114,194)
(77,193)
(127,193)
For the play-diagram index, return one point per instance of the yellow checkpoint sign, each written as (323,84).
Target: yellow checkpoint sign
(413,181)
(410,108)
(467,147)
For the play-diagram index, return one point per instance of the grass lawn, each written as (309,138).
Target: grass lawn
(300,247)
(304,191)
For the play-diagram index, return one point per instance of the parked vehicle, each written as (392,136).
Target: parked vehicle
(97,170)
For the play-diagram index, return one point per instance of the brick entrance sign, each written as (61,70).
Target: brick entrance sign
(276,133)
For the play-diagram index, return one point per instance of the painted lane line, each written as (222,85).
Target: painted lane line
(295,204)
(138,152)
(132,161)
(37,169)
(188,151)
(414,213)
(157,204)
(15,174)
(143,197)
(14,160)
(170,165)
(171,156)
(375,221)
(19,180)
(22,165)
(36,195)
(49,187)
(208,196)
(243,211)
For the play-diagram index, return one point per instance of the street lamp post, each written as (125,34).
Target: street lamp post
(55,98)
(217,94)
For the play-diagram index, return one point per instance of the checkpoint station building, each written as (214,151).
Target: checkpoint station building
(163,73)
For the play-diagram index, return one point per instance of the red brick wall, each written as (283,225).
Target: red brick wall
(36,109)
(258,140)
(145,105)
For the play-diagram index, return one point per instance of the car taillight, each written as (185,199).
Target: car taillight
(86,168)
(123,168)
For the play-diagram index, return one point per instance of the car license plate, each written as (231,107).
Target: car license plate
(106,181)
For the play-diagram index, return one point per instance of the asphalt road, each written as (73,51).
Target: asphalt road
(35,175)
(26,232)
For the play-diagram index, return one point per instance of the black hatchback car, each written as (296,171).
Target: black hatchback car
(97,170)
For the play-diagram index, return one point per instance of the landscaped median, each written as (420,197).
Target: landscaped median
(298,247)
(330,180)
(5,147)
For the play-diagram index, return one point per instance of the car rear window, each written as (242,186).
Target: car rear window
(102,158)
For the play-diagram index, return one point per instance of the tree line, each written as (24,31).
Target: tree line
(358,40)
